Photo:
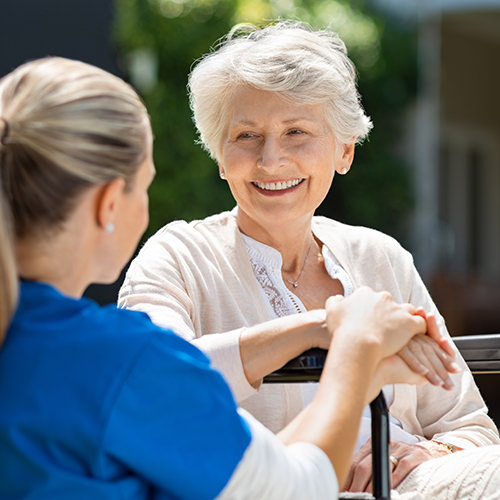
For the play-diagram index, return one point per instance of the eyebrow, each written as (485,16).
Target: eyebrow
(286,122)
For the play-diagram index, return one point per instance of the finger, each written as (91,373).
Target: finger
(362,475)
(358,457)
(412,361)
(428,352)
(444,358)
(434,333)
(400,472)
(348,481)
(409,456)
(442,363)
(333,299)
(394,370)
(420,311)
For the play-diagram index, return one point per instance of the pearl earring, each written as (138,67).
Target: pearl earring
(110,227)
(344,171)
(222,176)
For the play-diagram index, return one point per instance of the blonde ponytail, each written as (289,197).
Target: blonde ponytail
(8,272)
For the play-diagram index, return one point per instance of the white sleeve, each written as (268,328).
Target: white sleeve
(269,470)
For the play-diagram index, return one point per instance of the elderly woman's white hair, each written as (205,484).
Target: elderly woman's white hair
(291,58)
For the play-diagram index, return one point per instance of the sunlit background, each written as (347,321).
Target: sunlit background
(429,76)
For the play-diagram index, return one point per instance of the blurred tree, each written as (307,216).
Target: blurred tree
(162,38)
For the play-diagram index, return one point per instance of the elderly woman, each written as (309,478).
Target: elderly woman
(278,110)
(101,403)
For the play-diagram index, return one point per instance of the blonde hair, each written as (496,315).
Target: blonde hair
(288,57)
(65,126)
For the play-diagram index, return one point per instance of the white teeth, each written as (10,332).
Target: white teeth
(278,186)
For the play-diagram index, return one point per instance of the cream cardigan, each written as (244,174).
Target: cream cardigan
(196,279)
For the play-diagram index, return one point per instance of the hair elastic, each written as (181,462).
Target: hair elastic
(5,131)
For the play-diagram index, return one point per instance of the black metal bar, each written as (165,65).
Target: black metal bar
(381,471)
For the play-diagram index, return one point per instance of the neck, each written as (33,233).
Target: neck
(294,241)
(62,256)
(56,261)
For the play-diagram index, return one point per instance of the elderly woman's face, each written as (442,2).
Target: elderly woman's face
(278,156)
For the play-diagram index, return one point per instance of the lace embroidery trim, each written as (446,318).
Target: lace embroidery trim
(279,298)
(272,293)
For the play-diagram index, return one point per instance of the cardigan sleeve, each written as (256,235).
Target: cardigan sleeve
(459,416)
(171,281)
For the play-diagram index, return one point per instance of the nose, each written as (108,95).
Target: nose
(272,154)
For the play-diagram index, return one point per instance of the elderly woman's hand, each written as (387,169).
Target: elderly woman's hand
(406,458)
(426,357)
(431,355)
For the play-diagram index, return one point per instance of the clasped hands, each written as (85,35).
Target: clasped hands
(415,350)
(422,354)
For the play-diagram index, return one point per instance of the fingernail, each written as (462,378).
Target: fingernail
(454,366)
(448,383)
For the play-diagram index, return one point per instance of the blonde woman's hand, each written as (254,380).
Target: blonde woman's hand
(393,370)
(375,319)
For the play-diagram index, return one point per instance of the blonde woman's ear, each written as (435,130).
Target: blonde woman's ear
(221,172)
(107,203)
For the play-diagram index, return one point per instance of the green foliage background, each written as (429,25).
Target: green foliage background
(375,193)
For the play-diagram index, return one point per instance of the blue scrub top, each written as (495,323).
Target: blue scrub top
(98,403)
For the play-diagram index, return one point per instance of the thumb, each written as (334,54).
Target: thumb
(334,299)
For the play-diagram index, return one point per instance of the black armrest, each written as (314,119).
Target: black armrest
(304,368)
(480,352)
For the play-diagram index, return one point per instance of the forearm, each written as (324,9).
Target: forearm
(268,346)
(331,421)
(272,471)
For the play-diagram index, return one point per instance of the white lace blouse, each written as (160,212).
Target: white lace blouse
(266,263)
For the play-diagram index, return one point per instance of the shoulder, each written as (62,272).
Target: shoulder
(133,331)
(199,243)
(357,238)
(183,230)
(183,237)
(373,258)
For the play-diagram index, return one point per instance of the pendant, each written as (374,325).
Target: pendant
(295,284)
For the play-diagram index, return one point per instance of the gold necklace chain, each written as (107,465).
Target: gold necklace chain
(295,283)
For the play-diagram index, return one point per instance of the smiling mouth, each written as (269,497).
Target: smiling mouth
(278,186)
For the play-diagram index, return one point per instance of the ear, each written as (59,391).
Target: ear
(346,158)
(108,202)
(222,173)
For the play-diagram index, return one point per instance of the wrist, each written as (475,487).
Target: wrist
(439,448)
(451,448)
(318,335)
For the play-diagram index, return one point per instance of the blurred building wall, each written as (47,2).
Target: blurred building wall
(78,29)
(457,162)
